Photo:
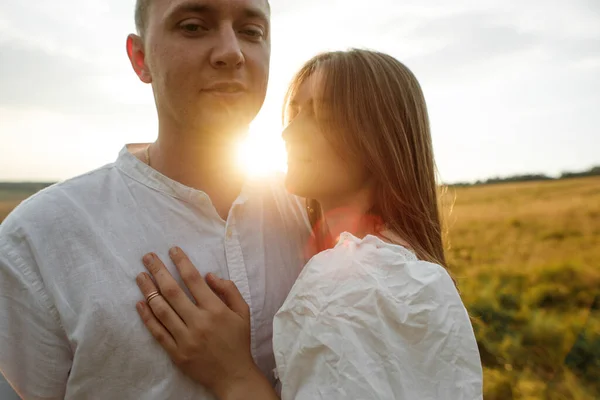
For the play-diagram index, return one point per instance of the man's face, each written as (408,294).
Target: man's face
(208,61)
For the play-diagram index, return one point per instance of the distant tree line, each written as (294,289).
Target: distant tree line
(594,171)
(24,186)
(590,172)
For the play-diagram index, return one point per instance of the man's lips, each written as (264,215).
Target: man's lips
(230,87)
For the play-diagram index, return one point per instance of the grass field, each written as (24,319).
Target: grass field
(527,260)
(9,199)
(526,257)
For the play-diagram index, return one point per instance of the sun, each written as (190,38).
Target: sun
(263,151)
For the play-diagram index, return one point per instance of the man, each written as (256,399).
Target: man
(70,254)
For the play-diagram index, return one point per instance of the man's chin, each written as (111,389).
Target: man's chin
(224,117)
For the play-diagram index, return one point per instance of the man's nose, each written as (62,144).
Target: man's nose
(227,52)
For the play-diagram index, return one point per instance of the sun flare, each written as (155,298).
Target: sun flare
(263,151)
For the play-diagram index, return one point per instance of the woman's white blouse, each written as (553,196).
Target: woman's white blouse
(368,320)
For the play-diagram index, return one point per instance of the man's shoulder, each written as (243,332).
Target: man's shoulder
(59,200)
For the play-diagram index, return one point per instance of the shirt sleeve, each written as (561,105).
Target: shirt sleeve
(35,357)
(362,326)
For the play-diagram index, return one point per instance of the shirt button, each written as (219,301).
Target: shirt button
(229,233)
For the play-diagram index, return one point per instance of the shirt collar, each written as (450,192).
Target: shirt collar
(131,166)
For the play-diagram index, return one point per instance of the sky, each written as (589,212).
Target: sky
(512,86)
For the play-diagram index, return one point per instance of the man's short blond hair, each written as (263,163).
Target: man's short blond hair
(141,15)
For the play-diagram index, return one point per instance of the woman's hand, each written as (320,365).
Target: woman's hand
(210,340)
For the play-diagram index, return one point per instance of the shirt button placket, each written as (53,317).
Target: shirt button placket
(238,273)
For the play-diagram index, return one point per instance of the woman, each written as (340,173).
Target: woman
(374,315)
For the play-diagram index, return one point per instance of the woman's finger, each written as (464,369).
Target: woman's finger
(230,294)
(160,333)
(169,289)
(161,309)
(201,292)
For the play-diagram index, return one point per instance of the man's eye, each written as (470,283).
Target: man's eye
(254,33)
(192,27)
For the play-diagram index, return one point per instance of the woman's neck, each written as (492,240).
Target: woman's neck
(353,215)
(349,214)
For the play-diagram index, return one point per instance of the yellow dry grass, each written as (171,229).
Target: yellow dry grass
(526,257)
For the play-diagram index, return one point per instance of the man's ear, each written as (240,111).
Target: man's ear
(137,57)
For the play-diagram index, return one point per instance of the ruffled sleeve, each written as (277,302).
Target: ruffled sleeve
(367,320)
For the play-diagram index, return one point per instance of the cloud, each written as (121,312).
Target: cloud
(36,78)
(66,56)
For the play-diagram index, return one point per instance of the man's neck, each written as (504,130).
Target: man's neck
(209,167)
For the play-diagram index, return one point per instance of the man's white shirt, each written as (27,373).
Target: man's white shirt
(69,256)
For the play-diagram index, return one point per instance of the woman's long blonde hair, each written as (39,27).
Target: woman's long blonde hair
(373,110)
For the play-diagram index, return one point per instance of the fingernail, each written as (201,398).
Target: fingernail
(147,259)
(173,251)
(140,279)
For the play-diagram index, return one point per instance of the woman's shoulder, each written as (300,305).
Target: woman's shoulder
(370,263)
(369,250)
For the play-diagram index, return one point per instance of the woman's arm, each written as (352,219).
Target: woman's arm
(210,340)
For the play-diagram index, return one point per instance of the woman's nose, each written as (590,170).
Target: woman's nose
(293,131)
(286,135)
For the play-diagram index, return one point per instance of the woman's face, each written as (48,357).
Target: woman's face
(316,169)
